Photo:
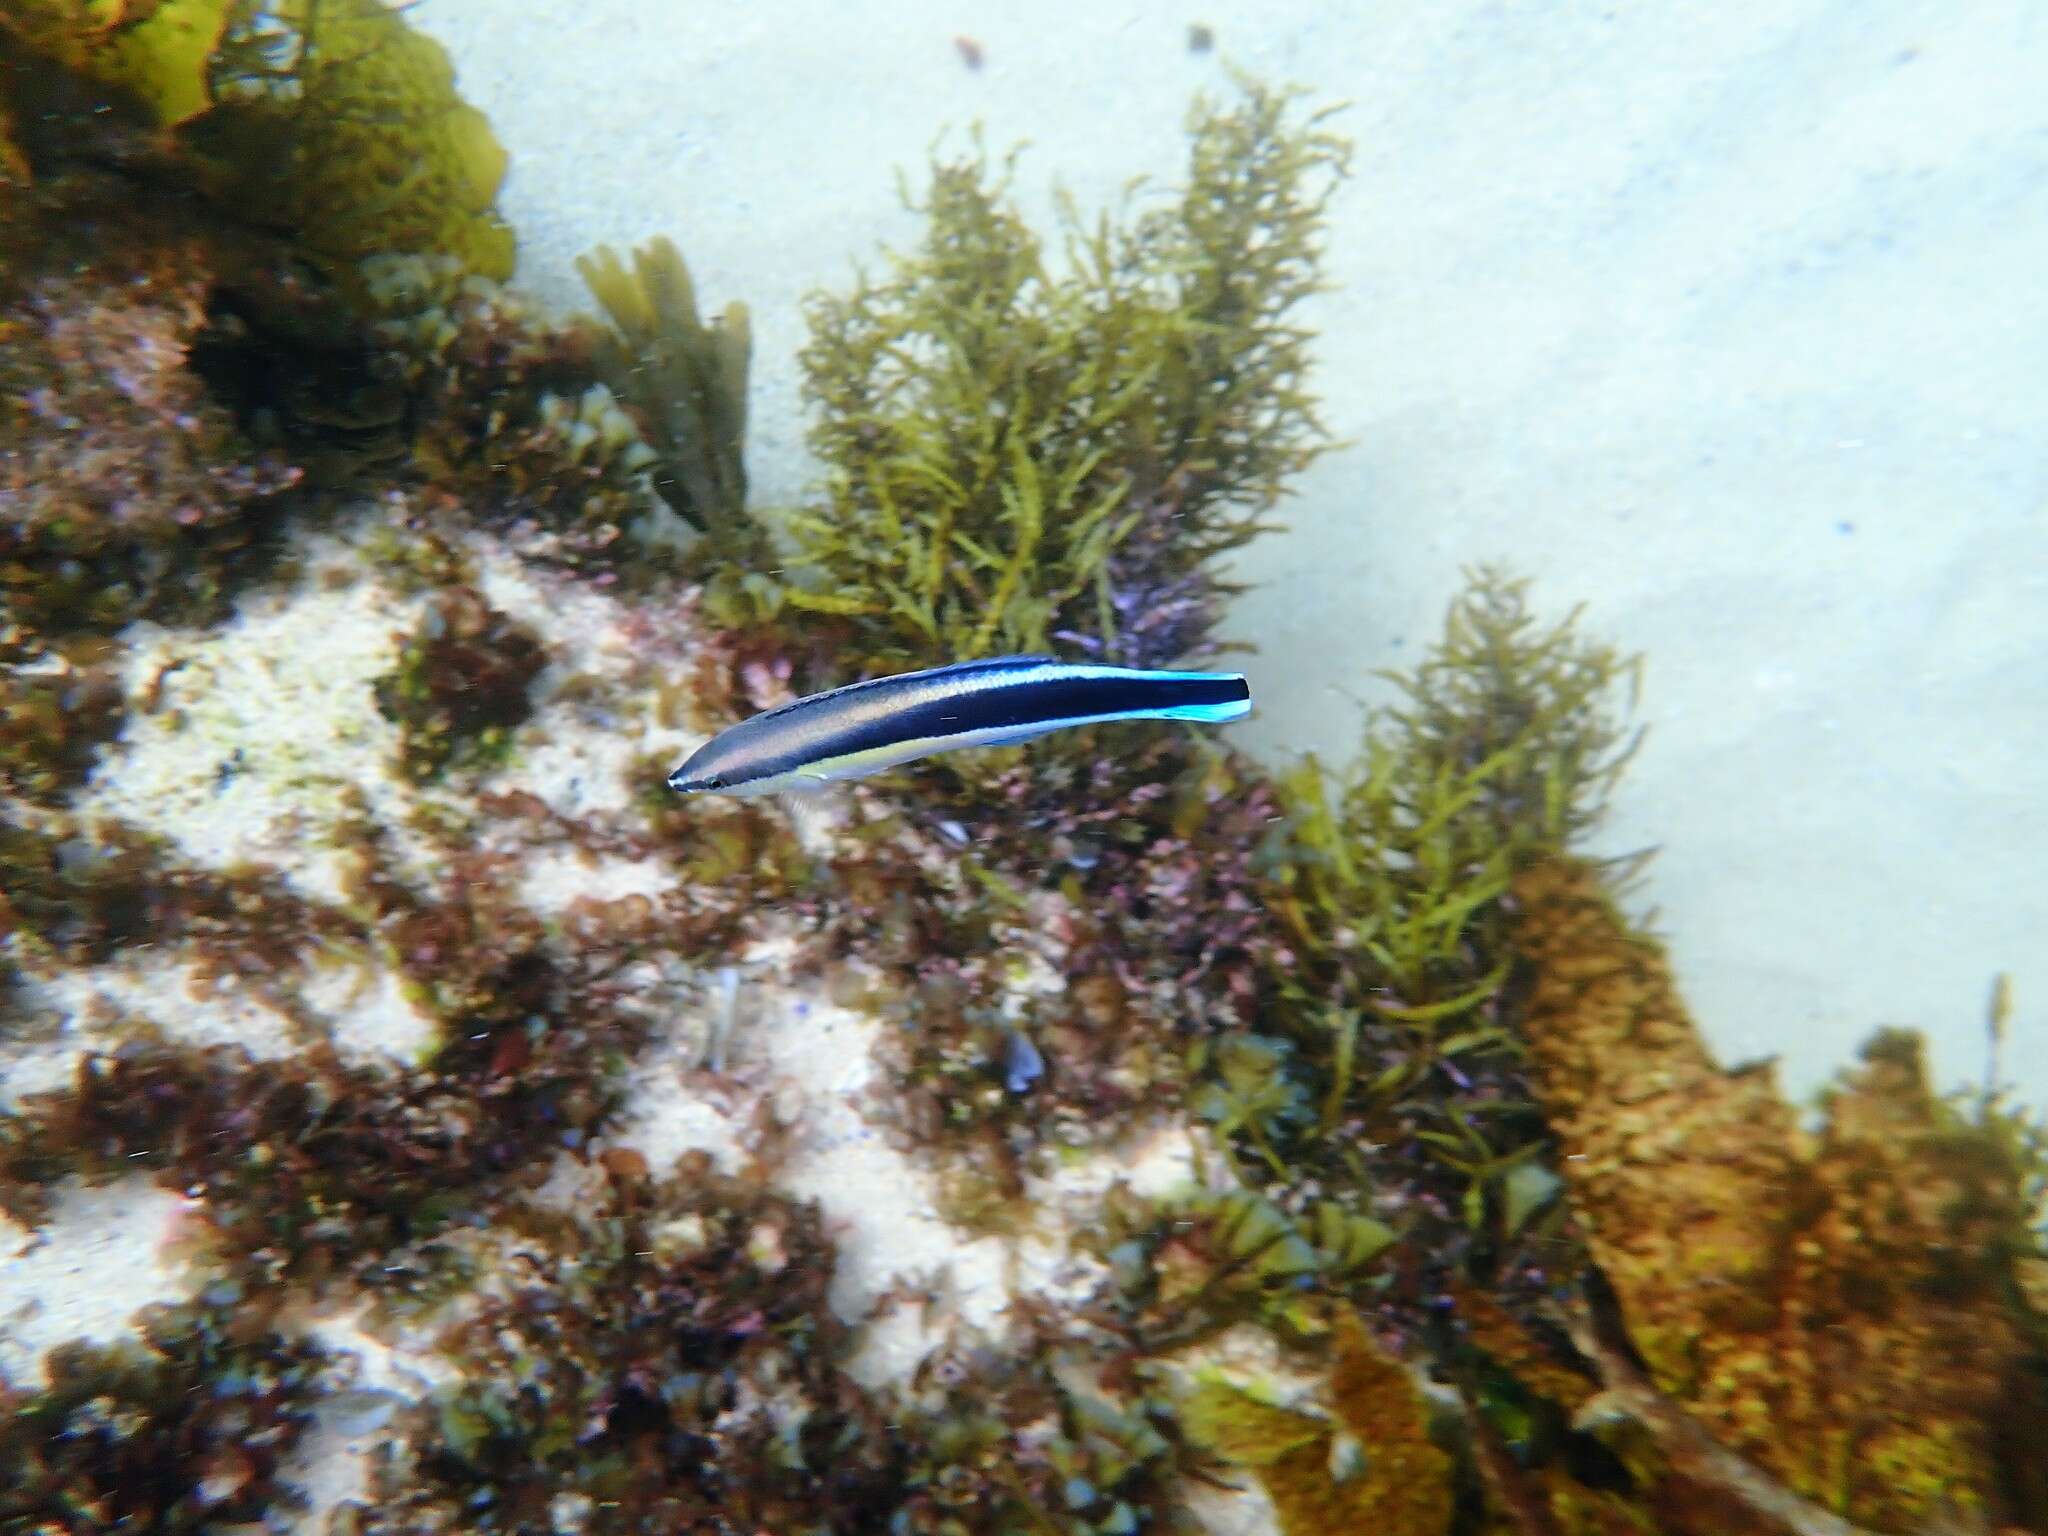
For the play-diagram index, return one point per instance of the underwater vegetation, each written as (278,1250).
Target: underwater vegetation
(510,424)
(666,1357)
(64,703)
(188,1428)
(1021,451)
(1839,1306)
(686,381)
(462,683)
(1473,1234)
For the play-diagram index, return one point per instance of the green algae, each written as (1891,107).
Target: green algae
(1016,452)
(686,380)
(1504,744)
(1322,973)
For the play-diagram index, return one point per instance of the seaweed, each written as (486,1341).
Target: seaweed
(57,708)
(1017,455)
(999,1444)
(461,686)
(511,426)
(668,1360)
(78,892)
(1101,907)
(1394,1076)
(182,305)
(309,1167)
(1466,1134)
(684,380)
(1187,1267)
(189,1429)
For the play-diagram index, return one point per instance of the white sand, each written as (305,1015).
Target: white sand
(87,1270)
(1725,319)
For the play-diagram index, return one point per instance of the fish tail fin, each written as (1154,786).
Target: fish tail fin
(1209,697)
(1212,714)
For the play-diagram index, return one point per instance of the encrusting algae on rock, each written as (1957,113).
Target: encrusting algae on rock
(1423,1256)
(1368,1465)
(334,118)
(1840,1306)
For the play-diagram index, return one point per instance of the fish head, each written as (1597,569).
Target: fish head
(700,774)
(695,784)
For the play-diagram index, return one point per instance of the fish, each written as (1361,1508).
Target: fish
(865,727)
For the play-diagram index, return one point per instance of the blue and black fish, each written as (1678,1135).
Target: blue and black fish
(864,728)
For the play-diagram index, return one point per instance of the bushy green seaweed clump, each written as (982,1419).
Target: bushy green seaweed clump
(1392,890)
(188,1430)
(462,683)
(1020,456)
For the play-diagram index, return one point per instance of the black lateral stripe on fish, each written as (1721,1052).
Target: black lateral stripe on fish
(865,727)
